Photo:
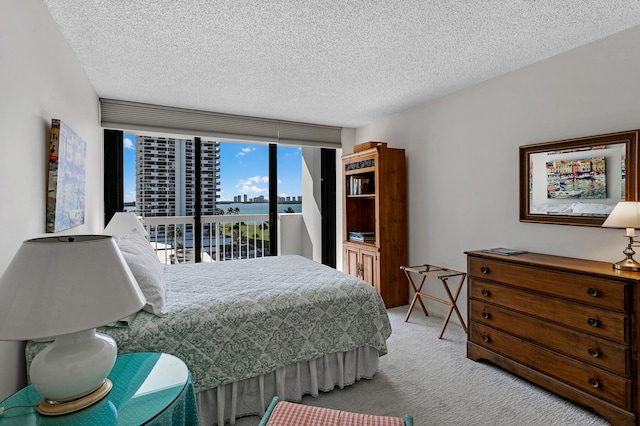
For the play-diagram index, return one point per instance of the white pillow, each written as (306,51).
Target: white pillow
(146,269)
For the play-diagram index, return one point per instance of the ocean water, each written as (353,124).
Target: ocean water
(260,208)
(252,208)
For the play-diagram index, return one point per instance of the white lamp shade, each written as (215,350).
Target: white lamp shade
(62,285)
(123,223)
(626,214)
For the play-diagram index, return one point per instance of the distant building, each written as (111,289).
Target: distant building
(290,199)
(165,176)
(245,198)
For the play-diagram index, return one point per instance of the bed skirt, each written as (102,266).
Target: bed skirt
(251,396)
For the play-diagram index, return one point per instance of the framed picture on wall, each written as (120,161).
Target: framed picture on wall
(578,181)
(66,178)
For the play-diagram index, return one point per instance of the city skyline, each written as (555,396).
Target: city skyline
(244,169)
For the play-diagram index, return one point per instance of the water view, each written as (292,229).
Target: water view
(259,208)
(250,208)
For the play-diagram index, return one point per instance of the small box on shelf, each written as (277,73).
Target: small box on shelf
(366,145)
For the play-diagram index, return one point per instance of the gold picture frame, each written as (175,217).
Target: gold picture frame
(539,177)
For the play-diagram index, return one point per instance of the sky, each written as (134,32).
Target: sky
(244,169)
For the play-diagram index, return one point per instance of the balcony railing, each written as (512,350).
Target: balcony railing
(222,237)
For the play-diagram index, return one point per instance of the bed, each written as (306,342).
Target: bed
(252,329)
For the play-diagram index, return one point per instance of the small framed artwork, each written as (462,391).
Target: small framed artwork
(65,178)
(578,181)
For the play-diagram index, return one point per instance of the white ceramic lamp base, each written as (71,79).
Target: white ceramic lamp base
(73,367)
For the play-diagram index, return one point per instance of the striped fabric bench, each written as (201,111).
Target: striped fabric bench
(283,413)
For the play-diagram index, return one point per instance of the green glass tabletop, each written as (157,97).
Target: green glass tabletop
(148,388)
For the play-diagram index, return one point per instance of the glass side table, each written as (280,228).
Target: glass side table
(148,389)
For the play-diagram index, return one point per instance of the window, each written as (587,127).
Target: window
(158,178)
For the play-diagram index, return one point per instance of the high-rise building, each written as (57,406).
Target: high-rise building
(165,176)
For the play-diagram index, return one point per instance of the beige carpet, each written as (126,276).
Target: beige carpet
(433,380)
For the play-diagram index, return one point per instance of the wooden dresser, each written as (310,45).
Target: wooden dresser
(568,325)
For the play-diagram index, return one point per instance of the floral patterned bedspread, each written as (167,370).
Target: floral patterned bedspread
(229,321)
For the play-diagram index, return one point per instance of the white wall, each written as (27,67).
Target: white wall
(40,79)
(311,235)
(291,233)
(462,153)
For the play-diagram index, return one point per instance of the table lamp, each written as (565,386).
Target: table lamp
(65,287)
(626,214)
(125,223)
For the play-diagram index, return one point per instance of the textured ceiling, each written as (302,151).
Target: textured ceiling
(343,62)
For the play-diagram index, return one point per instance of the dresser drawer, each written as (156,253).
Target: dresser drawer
(583,288)
(598,322)
(602,384)
(599,352)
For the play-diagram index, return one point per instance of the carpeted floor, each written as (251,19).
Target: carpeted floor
(433,381)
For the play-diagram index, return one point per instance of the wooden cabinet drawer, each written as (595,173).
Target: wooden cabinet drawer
(599,352)
(598,322)
(583,288)
(602,384)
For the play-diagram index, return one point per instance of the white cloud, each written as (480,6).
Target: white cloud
(252,189)
(252,185)
(244,151)
(254,180)
(128,143)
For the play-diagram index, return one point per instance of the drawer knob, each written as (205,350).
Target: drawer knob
(593,322)
(485,293)
(484,270)
(594,383)
(485,338)
(594,352)
(592,292)
(485,315)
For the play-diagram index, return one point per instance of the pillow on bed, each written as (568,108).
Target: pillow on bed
(146,269)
